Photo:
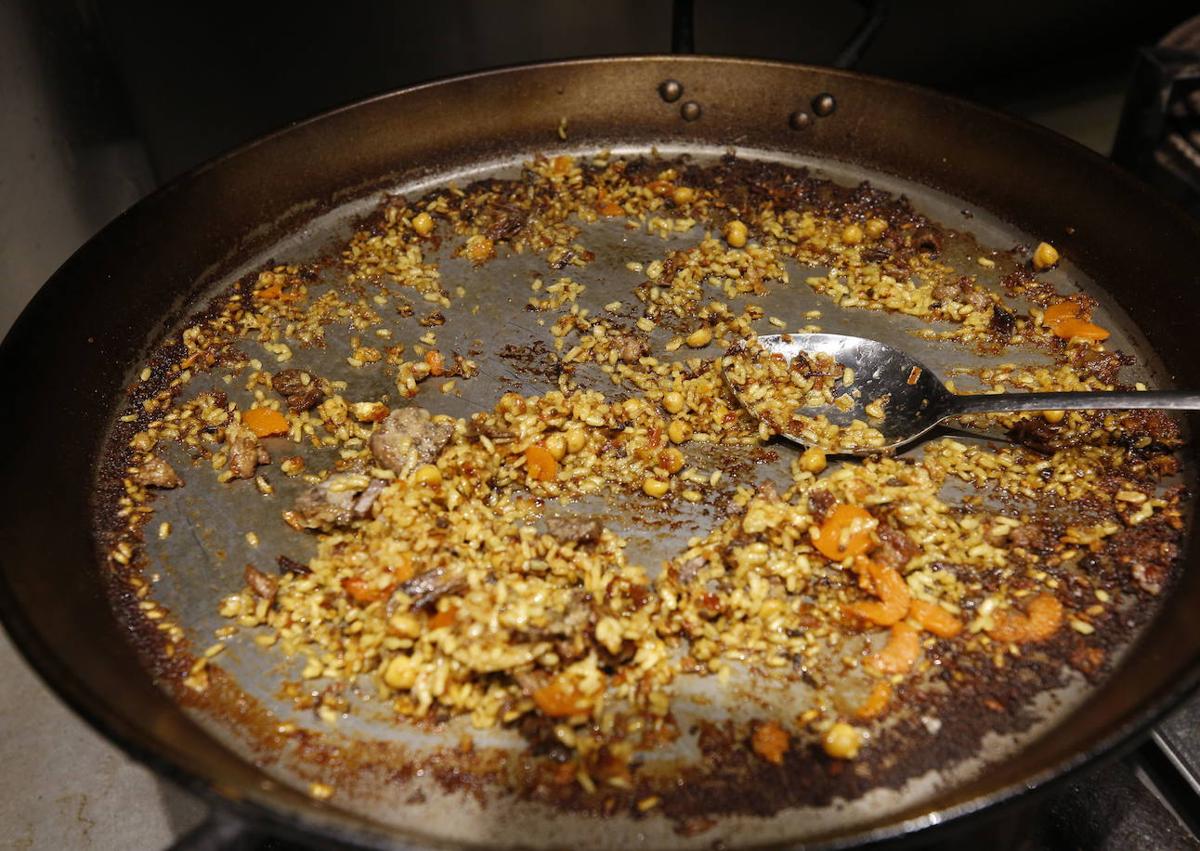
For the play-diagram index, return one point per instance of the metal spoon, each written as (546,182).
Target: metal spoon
(917,399)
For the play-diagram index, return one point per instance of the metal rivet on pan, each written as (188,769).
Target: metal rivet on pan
(824,104)
(670,90)
(799,119)
(690,111)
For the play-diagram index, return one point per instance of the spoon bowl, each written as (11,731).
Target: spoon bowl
(916,399)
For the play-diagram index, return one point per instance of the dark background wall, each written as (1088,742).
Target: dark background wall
(203,77)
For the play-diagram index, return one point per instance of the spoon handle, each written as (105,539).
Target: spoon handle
(1003,403)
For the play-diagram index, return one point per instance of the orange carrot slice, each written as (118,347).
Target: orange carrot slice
(363,592)
(446,618)
(403,569)
(1056,313)
(275,292)
(891,589)
(1044,617)
(846,532)
(1067,320)
(900,653)
(541,464)
(1070,329)
(558,700)
(265,422)
(933,618)
(608,208)
(877,701)
(770,741)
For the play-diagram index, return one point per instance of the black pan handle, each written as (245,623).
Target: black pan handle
(220,831)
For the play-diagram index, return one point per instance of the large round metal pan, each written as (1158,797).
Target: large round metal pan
(69,357)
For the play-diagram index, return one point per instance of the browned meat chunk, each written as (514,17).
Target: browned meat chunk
(564,628)
(1156,425)
(245,452)
(688,569)
(1147,553)
(1149,575)
(496,433)
(807,365)
(505,222)
(895,548)
(408,438)
(337,501)
(290,565)
(259,583)
(1104,365)
(575,529)
(820,503)
(1031,537)
(427,588)
(630,347)
(299,389)
(1036,434)
(1003,323)
(963,291)
(155,472)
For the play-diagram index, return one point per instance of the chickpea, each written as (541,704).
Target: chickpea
(479,248)
(399,673)
(427,474)
(842,741)
(422,223)
(683,195)
(660,187)
(655,487)
(852,234)
(736,233)
(700,338)
(1053,416)
(512,403)
(679,431)
(1045,256)
(876,228)
(671,460)
(556,445)
(673,402)
(405,625)
(812,460)
(576,440)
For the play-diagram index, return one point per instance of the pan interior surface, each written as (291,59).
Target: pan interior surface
(218,527)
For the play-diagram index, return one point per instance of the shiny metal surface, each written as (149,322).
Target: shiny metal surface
(917,400)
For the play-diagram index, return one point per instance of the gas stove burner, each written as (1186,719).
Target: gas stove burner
(1159,134)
